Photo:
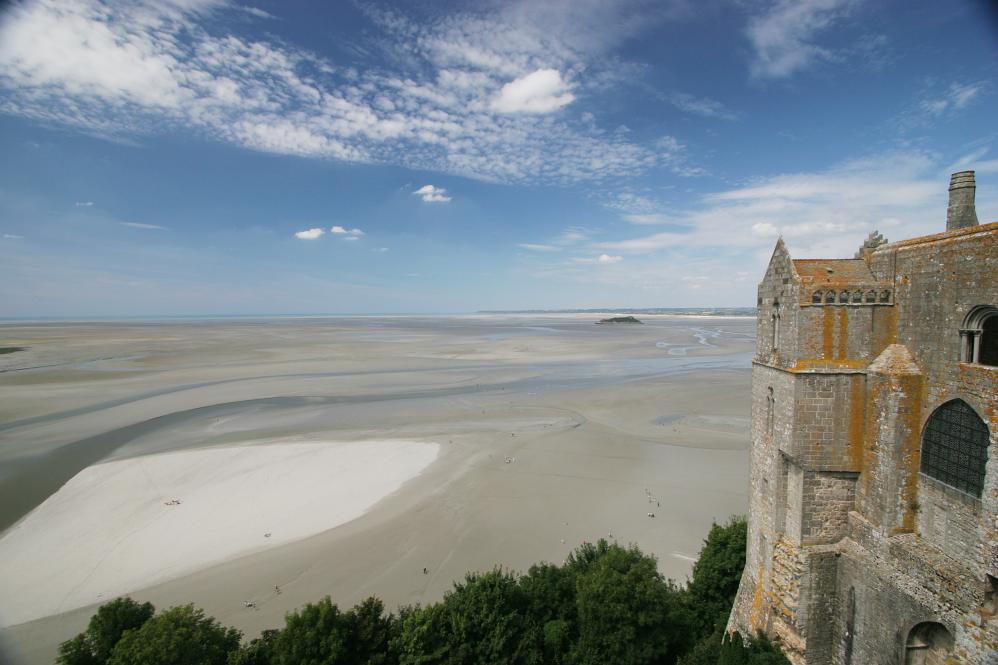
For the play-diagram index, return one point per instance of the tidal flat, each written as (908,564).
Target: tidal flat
(350,456)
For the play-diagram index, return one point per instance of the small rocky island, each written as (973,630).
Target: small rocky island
(619,319)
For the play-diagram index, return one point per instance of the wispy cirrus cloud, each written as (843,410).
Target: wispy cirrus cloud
(783,38)
(471,94)
(954,98)
(84,204)
(141,225)
(826,213)
(348,234)
(539,247)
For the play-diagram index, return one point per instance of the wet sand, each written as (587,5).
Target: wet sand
(589,417)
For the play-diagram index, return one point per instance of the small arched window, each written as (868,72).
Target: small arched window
(927,643)
(829,297)
(857,296)
(871,296)
(843,296)
(980,336)
(955,447)
(885,296)
(816,297)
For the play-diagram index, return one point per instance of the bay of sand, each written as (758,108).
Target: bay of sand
(369,448)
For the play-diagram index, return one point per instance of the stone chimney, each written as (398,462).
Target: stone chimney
(961,212)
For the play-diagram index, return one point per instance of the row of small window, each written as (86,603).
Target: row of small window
(855,297)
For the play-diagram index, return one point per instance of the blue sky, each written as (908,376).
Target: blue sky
(224,157)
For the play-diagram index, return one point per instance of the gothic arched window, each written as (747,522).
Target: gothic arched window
(871,296)
(980,336)
(955,447)
(829,297)
(816,297)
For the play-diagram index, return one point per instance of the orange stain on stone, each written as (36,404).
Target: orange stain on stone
(843,350)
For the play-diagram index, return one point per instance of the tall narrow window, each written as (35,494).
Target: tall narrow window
(955,447)
(770,407)
(850,624)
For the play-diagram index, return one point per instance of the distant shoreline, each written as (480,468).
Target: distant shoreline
(681,311)
(180,318)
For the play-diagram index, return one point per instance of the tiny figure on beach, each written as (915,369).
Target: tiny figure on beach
(172,502)
(426,570)
(249,604)
(277,589)
(651,514)
(266,535)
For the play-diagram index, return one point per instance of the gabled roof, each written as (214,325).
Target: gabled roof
(834,271)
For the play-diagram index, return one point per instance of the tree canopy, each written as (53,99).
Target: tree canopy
(605,604)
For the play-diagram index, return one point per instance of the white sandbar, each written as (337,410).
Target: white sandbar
(109,530)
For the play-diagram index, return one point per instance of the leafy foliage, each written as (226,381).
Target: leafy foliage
(179,636)
(106,627)
(606,604)
(716,575)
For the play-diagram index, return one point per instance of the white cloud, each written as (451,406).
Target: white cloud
(83,204)
(606,259)
(11,236)
(534,247)
(650,218)
(542,91)
(352,234)
(826,213)
(379,249)
(958,96)
(257,12)
(702,106)
(132,69)
(310,234)
(782,38)
(432,194)
(140,225)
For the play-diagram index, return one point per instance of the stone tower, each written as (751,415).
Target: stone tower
(873,524)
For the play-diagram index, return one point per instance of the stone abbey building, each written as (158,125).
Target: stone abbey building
(873,525)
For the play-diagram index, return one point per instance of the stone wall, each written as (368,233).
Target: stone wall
(850,547)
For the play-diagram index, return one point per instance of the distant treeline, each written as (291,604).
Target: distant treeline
(699,311)
(606,604)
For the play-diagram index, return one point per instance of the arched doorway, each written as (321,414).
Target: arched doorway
(928,643)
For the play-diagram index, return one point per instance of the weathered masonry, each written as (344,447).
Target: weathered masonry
(873,525)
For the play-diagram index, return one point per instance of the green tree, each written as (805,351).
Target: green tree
(423,638)
(259,651)
(622,605)
(179,636)
(106,627)
(314,635)
(369,633)
(716,575)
